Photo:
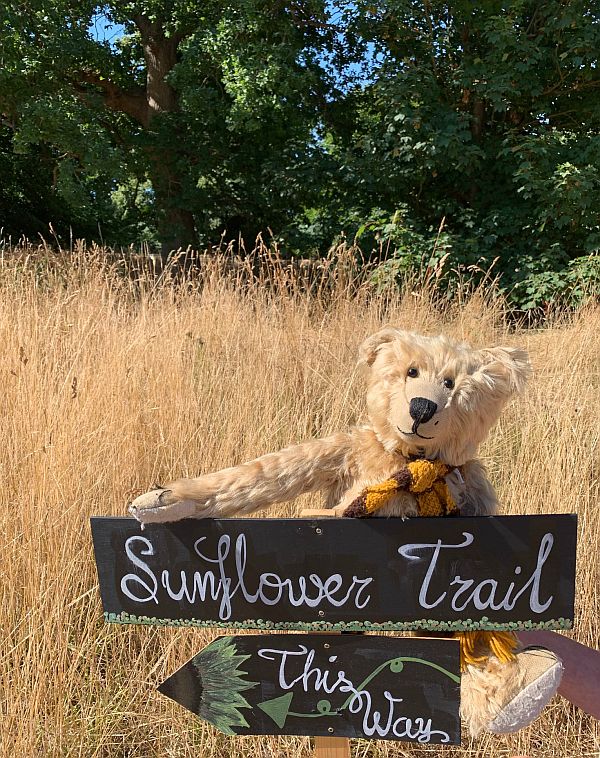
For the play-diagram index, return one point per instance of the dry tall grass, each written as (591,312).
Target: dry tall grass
(110,386)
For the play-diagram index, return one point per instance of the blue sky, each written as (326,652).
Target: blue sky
(104,30)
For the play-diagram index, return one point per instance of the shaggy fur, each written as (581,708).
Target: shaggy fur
(484,691)
(464,390)
(345,463)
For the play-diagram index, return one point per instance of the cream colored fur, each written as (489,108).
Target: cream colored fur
(469,388)
(484,691)
(343,464)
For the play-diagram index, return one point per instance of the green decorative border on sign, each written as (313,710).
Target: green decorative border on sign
(347,626)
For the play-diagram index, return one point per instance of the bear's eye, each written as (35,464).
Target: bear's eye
(449,383)
(412,372)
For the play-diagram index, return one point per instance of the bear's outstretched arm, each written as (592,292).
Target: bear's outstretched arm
(273,478)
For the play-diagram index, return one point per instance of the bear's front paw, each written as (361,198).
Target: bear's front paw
(160,506)
(542,674)
(505,697)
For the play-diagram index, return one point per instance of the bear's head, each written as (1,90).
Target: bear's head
(436,398)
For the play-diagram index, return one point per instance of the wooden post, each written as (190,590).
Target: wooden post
(328,747)
(332,747)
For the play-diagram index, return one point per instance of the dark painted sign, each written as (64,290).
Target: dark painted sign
(394,688)
(506,572)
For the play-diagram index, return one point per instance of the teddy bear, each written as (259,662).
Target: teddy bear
(431,402)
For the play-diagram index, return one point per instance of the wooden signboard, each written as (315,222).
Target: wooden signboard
(509,572)
(401,688)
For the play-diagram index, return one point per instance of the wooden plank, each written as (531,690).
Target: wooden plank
(326,685)
(335,574)
(327,747)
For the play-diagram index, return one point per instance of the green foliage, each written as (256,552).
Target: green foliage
(30,196)
(571,286)
(486,116)
(214,104)
(538,284)
(461,132)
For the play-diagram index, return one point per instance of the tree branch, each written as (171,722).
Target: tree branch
(133,102)
(298,13)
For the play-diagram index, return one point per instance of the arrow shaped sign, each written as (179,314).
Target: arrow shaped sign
(396,688)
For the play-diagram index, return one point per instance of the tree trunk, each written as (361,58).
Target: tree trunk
(477,119)
(176,224)
(177,228)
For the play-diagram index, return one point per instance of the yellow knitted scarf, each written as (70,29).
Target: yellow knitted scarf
(426,480)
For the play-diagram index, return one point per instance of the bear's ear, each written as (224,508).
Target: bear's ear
(505,369)
(371,346)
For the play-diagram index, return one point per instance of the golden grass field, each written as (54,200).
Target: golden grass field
(110,385)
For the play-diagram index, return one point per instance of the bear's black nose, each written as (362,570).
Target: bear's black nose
(422,410)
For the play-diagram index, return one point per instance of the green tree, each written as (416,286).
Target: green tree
(486,115)
(213,102)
